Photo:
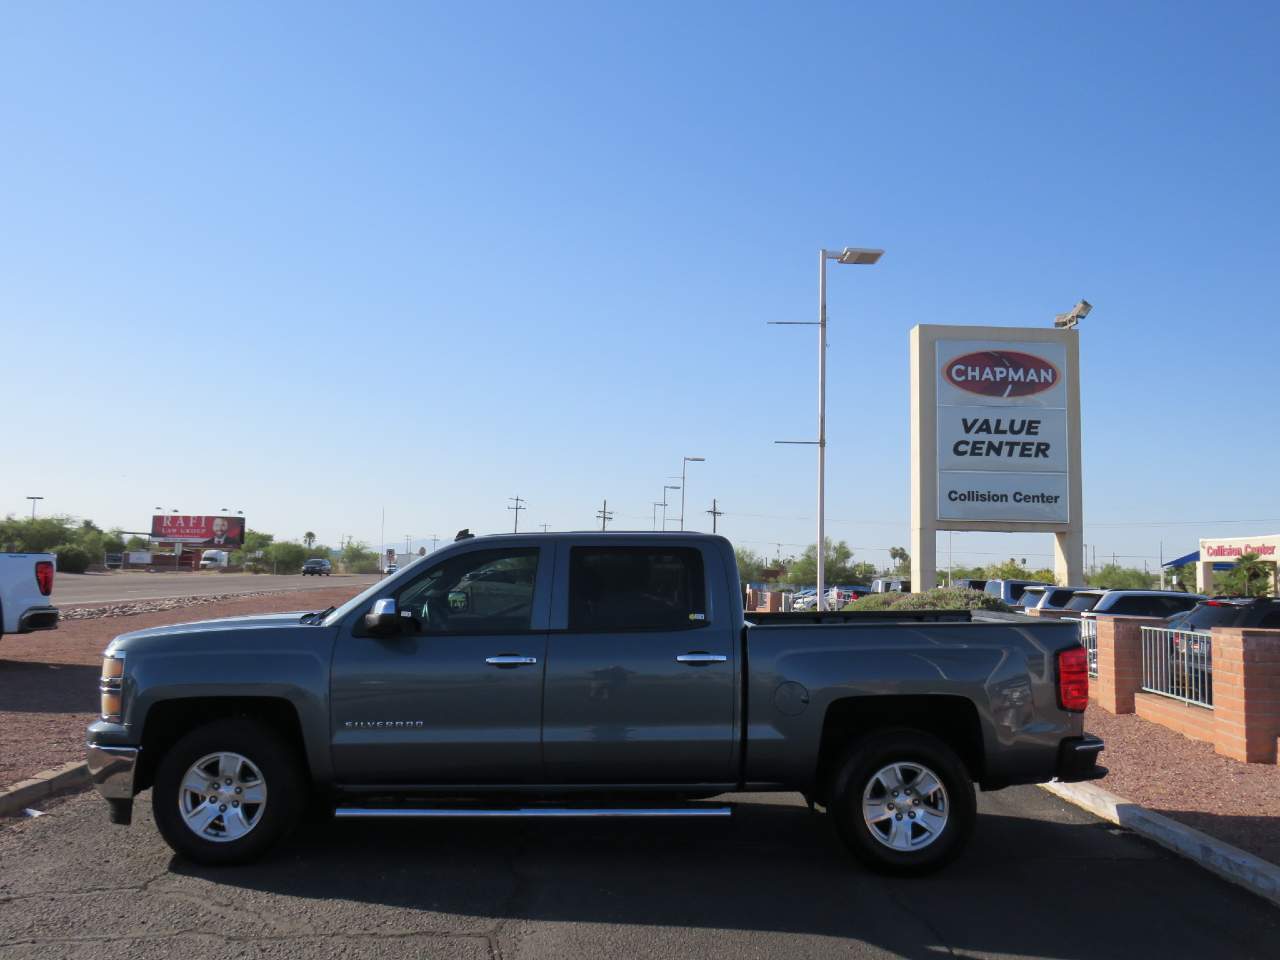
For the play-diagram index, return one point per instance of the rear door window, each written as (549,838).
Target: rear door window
(635,588)
(1083,601)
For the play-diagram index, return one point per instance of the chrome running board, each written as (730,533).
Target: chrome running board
(548,812)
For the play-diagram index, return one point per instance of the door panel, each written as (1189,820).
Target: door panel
(426,706)
(620,709)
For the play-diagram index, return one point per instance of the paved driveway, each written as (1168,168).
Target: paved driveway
(1042,880)
(72,588)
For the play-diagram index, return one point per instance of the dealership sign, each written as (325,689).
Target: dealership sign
(1002,431)
(202,531)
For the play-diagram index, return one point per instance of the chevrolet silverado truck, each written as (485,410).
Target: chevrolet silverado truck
(587,674)
(26,582)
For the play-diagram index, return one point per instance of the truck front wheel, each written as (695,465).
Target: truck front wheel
(903,802)
(228,791)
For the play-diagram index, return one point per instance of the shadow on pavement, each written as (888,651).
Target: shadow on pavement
(32,687)
(1026,887)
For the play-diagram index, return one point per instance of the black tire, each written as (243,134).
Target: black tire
(857,777)
(263,747)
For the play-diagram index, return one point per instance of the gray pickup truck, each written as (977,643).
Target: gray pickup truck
(590,674)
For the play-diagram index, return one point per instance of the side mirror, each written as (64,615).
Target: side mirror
(383,618)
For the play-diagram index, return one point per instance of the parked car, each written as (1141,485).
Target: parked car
(317,567)
(1048,597)
(970,583)
(838,597)
(1133,603)
(1010,591)
(600,674)
(890,585)
(26,582)
(1263,612)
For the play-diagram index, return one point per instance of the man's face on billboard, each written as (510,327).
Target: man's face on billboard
(219,527)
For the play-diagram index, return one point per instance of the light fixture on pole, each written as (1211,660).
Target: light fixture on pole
(1068,320)
(33,505)
(857,256)
(684,464)
(665,504)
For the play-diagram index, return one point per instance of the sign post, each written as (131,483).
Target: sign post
(995,439)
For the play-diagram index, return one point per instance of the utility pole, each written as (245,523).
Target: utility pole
(33,505)
(684,463)
(715,514)
(407,547)
(544,526)
(382,542)
(605,515)
(519,505)
(434,541)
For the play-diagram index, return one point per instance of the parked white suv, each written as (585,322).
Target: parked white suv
(26,582)
(1133,603)
(1010,591)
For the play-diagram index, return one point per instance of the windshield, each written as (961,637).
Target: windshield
(1207,615)
(1084,601)
(371,591)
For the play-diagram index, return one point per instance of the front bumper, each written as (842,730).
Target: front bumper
(38,618)
(1078,759)
(111,770)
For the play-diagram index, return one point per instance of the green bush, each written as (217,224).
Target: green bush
(875,601)
(951,598)
(72,559)
(939,598)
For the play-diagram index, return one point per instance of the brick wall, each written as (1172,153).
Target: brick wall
(1244,723)
(1188,719)
(1120,661)
(1246,693)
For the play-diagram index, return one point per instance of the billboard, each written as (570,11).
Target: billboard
(1002,431)
(203,531)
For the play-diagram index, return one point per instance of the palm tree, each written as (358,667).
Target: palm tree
(309,538)
(1255,573)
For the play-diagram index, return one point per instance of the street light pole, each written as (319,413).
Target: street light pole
(665,488)
(853,255)
(684,463)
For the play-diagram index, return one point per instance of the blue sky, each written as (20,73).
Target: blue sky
(313,261)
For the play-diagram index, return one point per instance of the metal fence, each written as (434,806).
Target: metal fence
(1178,664)
(1089,637)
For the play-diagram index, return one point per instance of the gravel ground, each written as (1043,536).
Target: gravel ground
(49,679)
(1185,780)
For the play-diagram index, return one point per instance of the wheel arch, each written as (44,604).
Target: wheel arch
(952,719)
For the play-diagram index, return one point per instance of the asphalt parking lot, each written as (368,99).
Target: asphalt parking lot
(1041,879)
(72,588)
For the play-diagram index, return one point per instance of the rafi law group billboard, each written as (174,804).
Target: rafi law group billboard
(201,531)
(1002,431)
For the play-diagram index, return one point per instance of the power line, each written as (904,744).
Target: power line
(715,514)
(604,514)
(519,505)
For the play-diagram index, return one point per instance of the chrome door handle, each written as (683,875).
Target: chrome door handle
(510,660)
(696,658)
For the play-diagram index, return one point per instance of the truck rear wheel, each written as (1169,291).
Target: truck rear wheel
(227,792)
(903,802)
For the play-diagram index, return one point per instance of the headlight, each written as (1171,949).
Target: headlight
(111,687)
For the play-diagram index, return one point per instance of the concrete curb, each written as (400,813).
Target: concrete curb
(14,798)
(1230,863)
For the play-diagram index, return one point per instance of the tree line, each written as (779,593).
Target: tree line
(80,544)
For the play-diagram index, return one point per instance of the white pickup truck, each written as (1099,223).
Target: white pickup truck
(26,582)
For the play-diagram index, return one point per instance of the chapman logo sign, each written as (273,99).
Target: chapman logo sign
(1002,373)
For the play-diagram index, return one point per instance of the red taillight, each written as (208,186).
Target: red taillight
(44,576)
(1073,679)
